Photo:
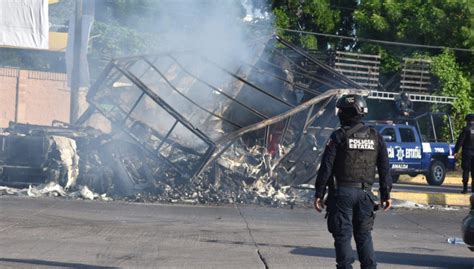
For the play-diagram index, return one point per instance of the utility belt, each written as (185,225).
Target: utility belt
(356,185)
(366,187)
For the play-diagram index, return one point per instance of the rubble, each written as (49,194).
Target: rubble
(48,189)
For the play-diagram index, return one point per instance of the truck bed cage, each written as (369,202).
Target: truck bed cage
(414,97)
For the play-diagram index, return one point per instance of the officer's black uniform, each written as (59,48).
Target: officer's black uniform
(466,141)
(404,104)
(351,155)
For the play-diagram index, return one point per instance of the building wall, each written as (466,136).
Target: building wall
(34,97)
(8,82)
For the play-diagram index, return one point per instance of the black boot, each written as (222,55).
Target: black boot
(465,180)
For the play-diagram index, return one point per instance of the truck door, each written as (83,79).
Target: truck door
(408,152)
(390,137)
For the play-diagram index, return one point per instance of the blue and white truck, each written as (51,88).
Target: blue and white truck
(420,145)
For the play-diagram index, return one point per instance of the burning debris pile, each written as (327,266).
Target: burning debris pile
(182,127)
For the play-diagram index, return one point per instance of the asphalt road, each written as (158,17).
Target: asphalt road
(411,187)
(58,233)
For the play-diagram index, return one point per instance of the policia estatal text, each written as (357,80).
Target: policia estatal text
(348,171)
(466,142)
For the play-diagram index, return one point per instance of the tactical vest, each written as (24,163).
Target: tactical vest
(357,157)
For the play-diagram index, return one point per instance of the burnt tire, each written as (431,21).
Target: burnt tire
(395,178)
(436,174)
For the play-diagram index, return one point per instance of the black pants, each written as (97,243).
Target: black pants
(467,166)
(351,211)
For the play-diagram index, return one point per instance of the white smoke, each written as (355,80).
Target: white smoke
(253,14)
(218,29)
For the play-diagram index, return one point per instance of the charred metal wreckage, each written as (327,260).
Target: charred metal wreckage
(181,126)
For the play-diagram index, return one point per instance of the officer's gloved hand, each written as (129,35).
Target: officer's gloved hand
(387,204)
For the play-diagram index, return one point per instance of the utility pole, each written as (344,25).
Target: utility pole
(76,64)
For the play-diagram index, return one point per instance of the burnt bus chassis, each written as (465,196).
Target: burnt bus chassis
(298,119)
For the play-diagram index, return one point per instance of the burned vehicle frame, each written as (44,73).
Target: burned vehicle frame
(175,122)
(191,113)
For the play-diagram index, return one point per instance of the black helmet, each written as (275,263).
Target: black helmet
(470,117)
(353,101)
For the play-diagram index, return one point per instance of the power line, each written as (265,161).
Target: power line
(375,40)
(368,39)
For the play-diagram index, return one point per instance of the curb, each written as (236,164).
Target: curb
(442,199)
(430,198)
(421,180)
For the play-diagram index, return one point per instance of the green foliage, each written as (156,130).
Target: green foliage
(309,15)
(433,23)
(116,41)
(282,20)
(112,41)
(447,23)
(454,83)
(309,42)
(389,62)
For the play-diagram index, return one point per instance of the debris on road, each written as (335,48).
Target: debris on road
(455,241)
(53,189)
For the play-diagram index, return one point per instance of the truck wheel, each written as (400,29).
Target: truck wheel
(395,178)
(436,174)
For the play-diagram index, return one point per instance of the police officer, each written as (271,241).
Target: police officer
(404,105)
(466,141)
(348,170)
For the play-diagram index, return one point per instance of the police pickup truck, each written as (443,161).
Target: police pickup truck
(421,145)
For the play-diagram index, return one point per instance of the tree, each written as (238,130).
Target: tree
(446,23)
(113,41)
(310,15)
(454,83)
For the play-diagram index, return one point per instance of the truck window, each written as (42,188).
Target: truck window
(426,129)
(441,127)
(407,135)
(389,132)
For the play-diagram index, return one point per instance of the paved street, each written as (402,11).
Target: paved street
(410,187)
(47,232)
